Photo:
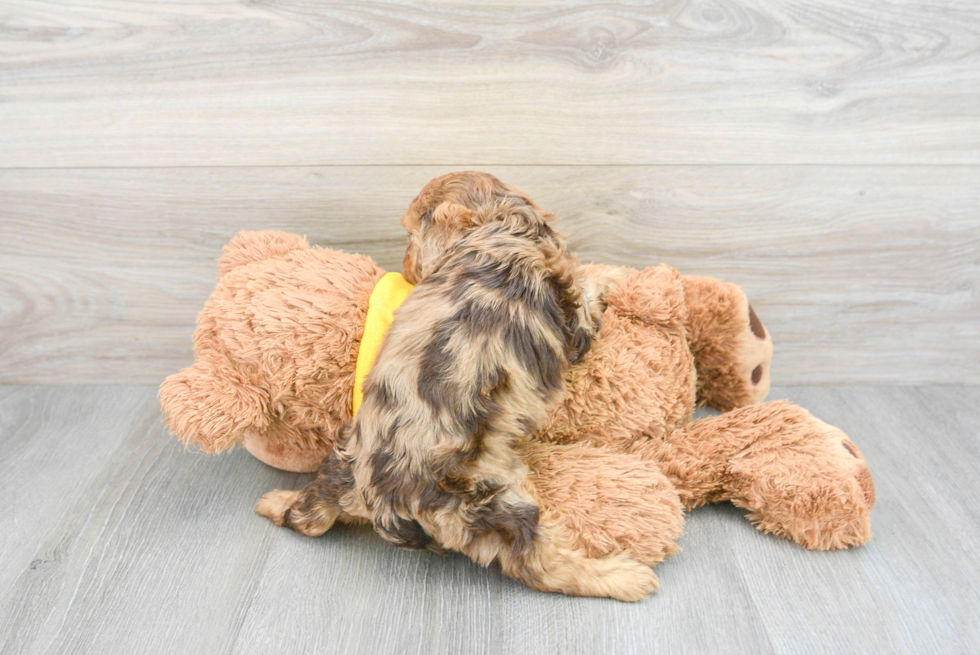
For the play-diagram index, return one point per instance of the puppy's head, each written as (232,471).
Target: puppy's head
(446,208)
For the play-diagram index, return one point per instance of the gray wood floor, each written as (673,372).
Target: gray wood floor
(116,539)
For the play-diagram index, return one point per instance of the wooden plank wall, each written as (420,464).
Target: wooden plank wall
(824,154)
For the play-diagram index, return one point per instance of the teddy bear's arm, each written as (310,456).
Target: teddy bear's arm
(732,349)
(212,405)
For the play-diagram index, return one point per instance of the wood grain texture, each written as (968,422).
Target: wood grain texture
(135,83)
(861,274)
(54,441)
(156,550)
(153,553)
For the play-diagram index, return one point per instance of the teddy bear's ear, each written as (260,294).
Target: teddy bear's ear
(247,247)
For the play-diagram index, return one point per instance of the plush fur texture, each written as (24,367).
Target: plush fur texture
(276,345)
(724,382)
(618,457)
(609,501)
(798,477)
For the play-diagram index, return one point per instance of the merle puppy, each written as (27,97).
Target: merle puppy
(473,362)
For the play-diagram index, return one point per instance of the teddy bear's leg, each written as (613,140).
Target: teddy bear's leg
(533,546)
(608,501)
(605,518)
(732,349)
(212,405)
(798,477)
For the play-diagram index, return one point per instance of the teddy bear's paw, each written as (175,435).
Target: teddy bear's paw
(276,503)
(845,528)
(861,471)
(623,578)
(288,448)
(823,495)
(744,378)
(850,463)
(732,348)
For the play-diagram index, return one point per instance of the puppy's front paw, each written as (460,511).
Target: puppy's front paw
(274,504)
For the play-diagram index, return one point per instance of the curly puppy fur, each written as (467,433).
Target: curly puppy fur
(444,210)
(474,361)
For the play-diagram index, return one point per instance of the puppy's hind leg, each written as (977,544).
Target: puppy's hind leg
(313,509)
(551,563)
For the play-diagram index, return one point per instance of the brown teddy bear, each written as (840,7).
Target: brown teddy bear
(277,346)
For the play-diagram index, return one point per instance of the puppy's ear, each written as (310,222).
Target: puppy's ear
(430,234)
(452,218)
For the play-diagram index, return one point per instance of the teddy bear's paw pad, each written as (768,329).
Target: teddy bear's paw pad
(275,504)
(852,462)
(758,329)
(754,357)
(734,358)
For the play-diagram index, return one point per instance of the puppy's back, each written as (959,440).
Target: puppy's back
(474,361)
